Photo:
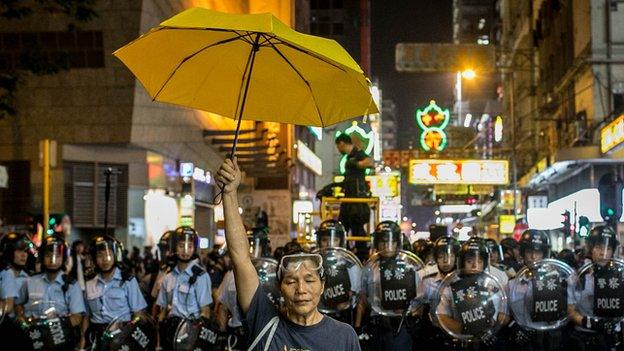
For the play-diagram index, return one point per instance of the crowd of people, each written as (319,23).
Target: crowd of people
(432,294)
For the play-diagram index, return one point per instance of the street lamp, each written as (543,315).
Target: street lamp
(468,74)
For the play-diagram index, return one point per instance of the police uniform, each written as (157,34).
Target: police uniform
(116,298)
(228,298)
(385,336)
(186,301)
(10,284)
(500,275)
(39,288)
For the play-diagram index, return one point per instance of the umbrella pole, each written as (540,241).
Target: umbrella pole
(252,58)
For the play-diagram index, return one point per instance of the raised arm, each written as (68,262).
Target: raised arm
(235,236)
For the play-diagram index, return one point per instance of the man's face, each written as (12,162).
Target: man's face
(105,259)
(185,250)
(516,252)
(301,289)
(20,257)
(52,260)
(79,249)
(329,241)
(342,147)
(445,261)
(494,257)
(473,265)
(601,253)
(384,244)
(532,256)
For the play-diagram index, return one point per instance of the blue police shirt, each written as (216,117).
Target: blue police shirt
(185,300)
(107,300)
(8,284)
(39,288)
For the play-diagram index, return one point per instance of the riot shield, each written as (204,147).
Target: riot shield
(196,334)
(47,329)
(599,290)
(343,272)
(538,296)
(467,306)
(134,335)
(392,281)
(266,268)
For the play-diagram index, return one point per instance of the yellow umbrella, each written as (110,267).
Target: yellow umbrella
(250,67)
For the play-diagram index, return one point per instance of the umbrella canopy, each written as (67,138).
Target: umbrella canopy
(250,67)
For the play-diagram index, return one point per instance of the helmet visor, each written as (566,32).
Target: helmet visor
(105,252)
(54,254)
(604,249)
(186,245)
(474,262)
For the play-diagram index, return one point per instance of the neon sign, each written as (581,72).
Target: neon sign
(612,135)
(432,120)
(429,171)
(368,139)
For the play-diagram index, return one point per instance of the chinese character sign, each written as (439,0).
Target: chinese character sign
(432,120)
(495,172)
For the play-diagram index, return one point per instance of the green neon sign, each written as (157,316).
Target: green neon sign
(432,120)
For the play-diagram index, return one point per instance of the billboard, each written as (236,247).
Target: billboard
(435,171)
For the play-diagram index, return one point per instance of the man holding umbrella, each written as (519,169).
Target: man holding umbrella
(301,281)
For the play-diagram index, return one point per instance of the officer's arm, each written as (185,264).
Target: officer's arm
(235,236)
(83,333)
(366,163)
(450,323)
(8,305)
(574,315)
(222,316)
(205,311)
(361,309)
(75,319)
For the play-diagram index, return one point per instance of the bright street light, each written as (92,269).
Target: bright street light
(469,74)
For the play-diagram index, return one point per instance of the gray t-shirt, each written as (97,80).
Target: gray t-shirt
(328,334)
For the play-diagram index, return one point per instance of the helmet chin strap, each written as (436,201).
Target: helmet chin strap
(53,270)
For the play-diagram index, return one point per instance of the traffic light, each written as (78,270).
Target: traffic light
(583,229)
(610,189)
(565,220)
(54,223)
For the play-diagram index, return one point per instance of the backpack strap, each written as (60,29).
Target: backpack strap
(272,325)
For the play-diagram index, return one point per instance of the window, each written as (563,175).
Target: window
(79,49)
(85,185)
(337,29)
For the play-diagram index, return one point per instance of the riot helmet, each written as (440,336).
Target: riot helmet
(259,242)
(106,252)
(445,251)
(423,248)
(387,237)
(166,250)
(186,244)
(331,233)
(536,241)
(602,243)
(53,253)
(474,256)
(509,245)
(12,242)
(496,251)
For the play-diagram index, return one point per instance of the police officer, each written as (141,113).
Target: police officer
(468,307)
(113,294)
(423,248)
(445,250)
(511,255)
(344,273)
(594,307)
(186,290)
(388,332)
(52,286)
(535,246)
(16,248)
(496,268)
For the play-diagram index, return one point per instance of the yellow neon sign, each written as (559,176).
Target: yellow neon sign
(612,135)
(435,171)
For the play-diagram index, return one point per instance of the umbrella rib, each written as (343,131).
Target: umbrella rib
(302,78)
(310,54)
(225,41)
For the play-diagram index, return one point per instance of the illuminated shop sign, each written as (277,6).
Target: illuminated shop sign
(309,158)
(432,120)
(494,172)
(612,135)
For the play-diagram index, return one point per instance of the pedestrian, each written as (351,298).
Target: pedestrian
(300,278)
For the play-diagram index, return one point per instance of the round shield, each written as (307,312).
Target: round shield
(267,274)
(598,290)
(467,306)
(343,272)
(538,296)
(196,334)
(48,329)
(392,281)
(136,334)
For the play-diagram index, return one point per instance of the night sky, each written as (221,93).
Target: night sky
(395,21)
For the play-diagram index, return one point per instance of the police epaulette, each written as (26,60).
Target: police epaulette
(126,276)
(197,272)
(430,275)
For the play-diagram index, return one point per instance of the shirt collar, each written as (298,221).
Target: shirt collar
(116,276)
(188,270)
(58,279)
